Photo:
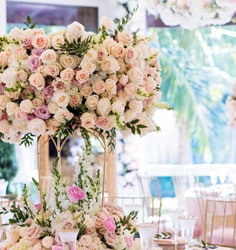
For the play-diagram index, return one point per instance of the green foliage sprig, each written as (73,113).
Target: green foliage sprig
(206,245)
(28,23)
(135,127)
(163,235)
(27,139)
(78,47)
(121,23)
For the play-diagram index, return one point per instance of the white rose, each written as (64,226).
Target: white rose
(91,55)
(9,77)
(26,106)
(104,106)
(52,70)
(135,75)
(88,66)
(48,56)
(61,99)
(91,102)
(125,37)
(88,120)
(106,22)
(52,107)
(37,80)
(11,108)
(136,106)
(47,241)
(69,61)
(62,115)
(67,75)
(57,40)
(110,65)
(74,31)
(129,115)
(36,127)
(118,107)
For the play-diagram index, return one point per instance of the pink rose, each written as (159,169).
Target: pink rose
(75,194)
(109,224)
(34,63)
(87,120)
(42,112)
(33,232)
(129,241)
(111,238)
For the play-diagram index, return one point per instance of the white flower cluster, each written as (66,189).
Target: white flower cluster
(191,14)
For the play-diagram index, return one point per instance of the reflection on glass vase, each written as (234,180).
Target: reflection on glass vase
(68,239)
(147,232)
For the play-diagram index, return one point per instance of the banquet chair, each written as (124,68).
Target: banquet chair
(149,208)
(220,222)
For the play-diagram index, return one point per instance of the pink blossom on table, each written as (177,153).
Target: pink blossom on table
(75,194)
(109,224)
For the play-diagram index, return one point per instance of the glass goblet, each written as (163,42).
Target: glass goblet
(174,217)
(147,232)
(187,227)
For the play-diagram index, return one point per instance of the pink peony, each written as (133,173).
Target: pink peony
(75,194)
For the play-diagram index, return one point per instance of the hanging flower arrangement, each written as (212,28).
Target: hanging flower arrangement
(192,14)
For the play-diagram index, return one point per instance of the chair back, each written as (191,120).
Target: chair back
(148,207)
(220,222)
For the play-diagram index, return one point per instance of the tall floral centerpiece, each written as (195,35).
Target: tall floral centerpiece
(75,82)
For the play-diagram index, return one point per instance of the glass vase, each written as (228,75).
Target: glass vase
(68,239)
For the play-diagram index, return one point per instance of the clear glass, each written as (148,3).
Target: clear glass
(68,239)
(147,232)
(187,227)
(174,217)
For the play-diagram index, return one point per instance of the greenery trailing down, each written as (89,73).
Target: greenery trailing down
(198,75)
